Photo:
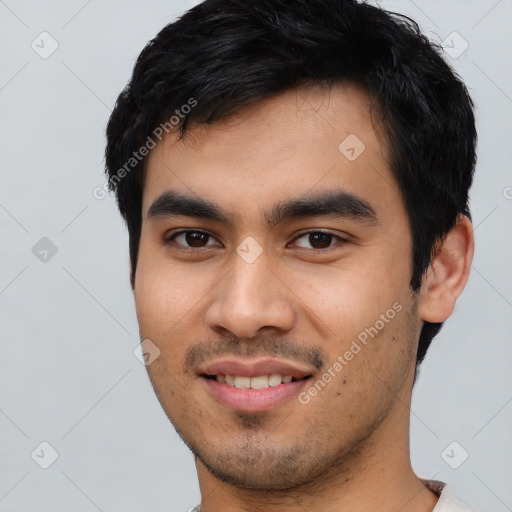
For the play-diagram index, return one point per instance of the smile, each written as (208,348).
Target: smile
(254,386)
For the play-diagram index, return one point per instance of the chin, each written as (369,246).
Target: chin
(263,465)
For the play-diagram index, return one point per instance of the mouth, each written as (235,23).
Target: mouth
(254,386)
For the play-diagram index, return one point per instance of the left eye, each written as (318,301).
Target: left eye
(316,240)
(193,239)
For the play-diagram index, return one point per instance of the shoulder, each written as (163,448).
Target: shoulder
(447,501)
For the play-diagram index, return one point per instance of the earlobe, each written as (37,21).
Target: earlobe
(448,273)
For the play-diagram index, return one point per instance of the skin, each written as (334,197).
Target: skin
(348,448)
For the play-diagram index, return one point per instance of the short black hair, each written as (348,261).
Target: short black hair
(223,55)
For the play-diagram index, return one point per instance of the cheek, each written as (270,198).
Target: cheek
(163,294)
(157,308)
(170,306)
(347,298)
(369,364)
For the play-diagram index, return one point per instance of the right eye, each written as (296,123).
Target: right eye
(192,239)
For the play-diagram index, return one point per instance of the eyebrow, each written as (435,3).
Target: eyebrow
(340,204)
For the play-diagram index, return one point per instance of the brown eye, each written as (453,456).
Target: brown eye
(320,240)
(317,240)
(193,239)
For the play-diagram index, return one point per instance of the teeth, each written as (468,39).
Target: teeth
(275,379)
(259,382)
(242,382)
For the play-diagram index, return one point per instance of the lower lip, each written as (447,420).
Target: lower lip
(253,400)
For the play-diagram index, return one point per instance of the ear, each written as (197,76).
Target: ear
(448,273)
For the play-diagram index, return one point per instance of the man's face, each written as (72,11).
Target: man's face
(301,257)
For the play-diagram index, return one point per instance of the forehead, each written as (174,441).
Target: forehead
(304,141)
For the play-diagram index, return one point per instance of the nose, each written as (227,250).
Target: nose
(251,298)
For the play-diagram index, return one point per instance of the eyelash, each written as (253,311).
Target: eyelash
(171,239)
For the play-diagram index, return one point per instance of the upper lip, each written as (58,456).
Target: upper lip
(255,367)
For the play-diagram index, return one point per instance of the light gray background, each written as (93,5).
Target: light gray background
(68,371)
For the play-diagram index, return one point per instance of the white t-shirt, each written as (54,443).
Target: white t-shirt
(447,501)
